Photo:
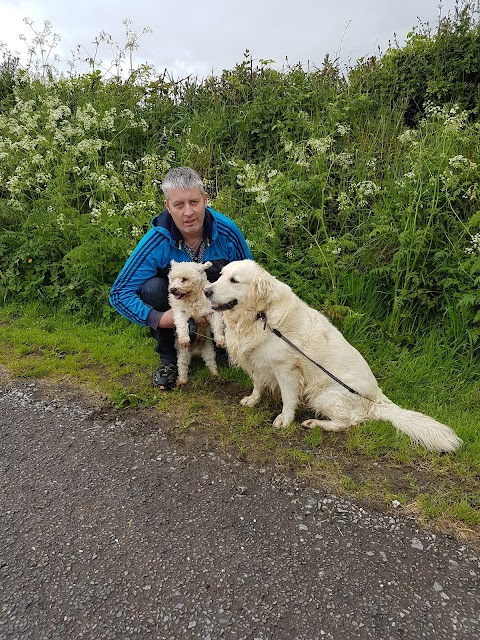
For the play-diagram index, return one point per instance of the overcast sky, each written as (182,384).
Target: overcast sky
(212,35)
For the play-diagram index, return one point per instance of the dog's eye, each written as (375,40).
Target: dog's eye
(233,280)
(184,279)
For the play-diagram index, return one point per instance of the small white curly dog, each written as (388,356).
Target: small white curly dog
(255,305)
(186,281)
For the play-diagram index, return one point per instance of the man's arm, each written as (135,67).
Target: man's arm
(142,264)
(166,320)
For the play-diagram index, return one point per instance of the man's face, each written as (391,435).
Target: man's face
(187,208)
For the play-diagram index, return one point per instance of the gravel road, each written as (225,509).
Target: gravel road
(111,529)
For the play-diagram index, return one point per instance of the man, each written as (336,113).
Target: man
(187,230)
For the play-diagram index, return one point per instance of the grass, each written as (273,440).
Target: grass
(371,462)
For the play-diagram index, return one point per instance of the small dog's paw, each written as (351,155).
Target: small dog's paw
(220,343)
(181,382)
(184,343)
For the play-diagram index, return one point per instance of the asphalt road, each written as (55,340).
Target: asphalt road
(111,529)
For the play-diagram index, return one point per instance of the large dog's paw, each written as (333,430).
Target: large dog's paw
(326,425)
(282,421)
(312,423)
(250,401)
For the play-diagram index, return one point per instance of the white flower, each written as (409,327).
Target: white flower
(150,160)
(367,188)
(87,116)
(60,112)
(409,136)
(128,165)
(453,118)
(262,197)
(474,245)
(342,129)
(343,201)
(320,145)
(136,232)
(108,120)
(333,247)
(89,146)
(460,162)
(343,159)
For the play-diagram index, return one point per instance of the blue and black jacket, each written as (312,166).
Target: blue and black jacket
(163,243)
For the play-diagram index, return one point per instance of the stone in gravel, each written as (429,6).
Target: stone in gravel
(416,544)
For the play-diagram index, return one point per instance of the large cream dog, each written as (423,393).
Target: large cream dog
(254,305)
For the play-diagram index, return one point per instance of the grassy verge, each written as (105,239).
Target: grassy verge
(371,462)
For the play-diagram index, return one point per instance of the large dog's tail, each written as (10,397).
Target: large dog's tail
(420,428)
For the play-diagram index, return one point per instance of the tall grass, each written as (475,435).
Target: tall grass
(359,189)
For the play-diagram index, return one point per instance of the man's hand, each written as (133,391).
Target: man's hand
(166,321)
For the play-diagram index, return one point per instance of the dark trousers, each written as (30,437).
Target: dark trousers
(154,292)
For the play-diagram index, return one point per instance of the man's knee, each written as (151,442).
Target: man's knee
(154,292)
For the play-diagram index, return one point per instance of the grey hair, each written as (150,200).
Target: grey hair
(181,178)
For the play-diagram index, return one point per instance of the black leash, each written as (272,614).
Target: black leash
(261,316)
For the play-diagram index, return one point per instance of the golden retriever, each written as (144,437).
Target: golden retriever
(344,392)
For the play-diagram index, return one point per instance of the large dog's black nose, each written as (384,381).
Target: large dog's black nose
(208,292)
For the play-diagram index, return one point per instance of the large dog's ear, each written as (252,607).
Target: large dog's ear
(262,289)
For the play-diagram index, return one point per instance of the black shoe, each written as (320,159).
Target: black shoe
(192,330)
(165,376)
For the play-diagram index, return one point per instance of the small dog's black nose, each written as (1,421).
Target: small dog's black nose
(173,290)
(208,292)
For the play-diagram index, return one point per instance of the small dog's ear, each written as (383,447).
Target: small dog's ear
(172,262)
(206,265)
